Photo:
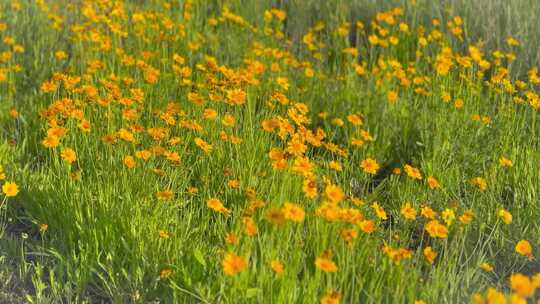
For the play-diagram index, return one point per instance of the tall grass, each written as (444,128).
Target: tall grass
(100,229)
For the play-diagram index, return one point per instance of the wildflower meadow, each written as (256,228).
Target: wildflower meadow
(269,151)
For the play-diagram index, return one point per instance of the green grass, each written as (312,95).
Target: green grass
(104,235)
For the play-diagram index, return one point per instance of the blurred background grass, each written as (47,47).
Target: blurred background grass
(489,22)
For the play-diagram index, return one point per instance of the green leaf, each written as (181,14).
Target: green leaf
(199,257)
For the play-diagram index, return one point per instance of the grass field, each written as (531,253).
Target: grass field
(297,151)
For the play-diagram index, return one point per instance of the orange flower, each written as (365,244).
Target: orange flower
(129,162)
(428,213)
(206,147)
(293,212)
(209,113)
(522,285)
(524,248)
(392,96)
(277,267)
(436,229)
(84,125)
(367,226)
(325,264)
(250,228)
(433,183)
(164,195)
(334,193)
(331,297)
(348,235)
(165,273)
(216,205)
(233,264)
(231,238)
(397,254)
(413,172)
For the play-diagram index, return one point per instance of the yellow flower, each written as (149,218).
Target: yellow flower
(429,254)
(233,264)
(68,155)
(458,104)
(163,234)
(480,183)
(335,166)
(392,96)
(50,141)
(354,119)
(236,96)
(521,285)
(448,216)
(505,162)
(408,211)
(10,189)
(512,41)
(412,172)
(43,227)
(228,120)
(309,188)
(293,212)
(60,55)
(334,193)
(206,147)
(505,216)
(370,166)
(486,267)
(379,211)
